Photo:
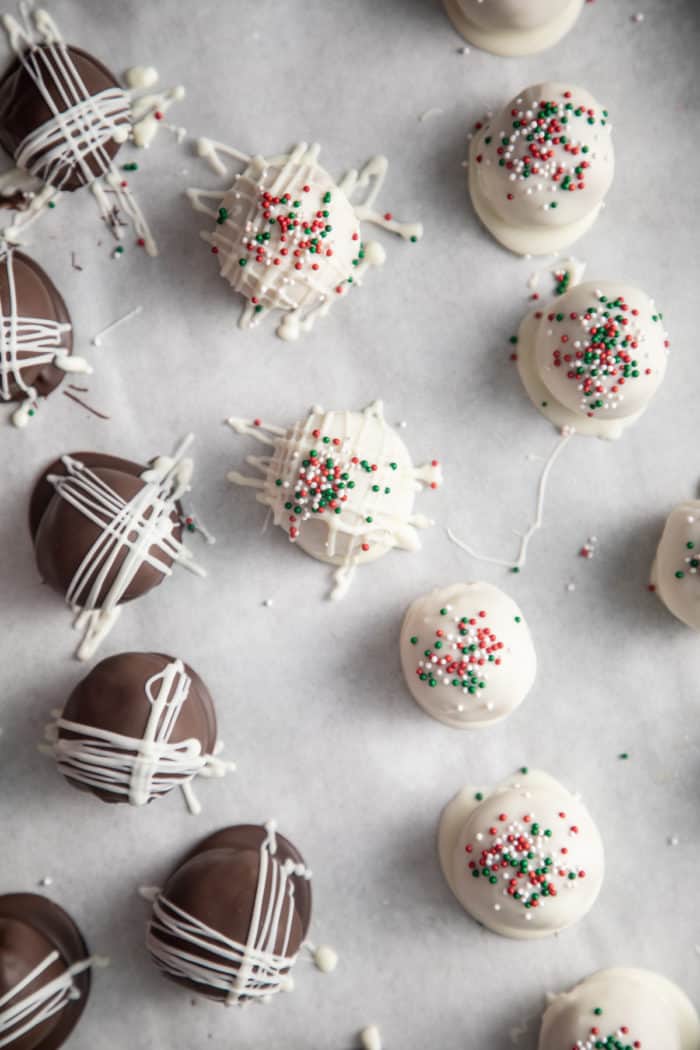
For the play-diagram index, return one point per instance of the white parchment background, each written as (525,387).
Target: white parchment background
(310,697)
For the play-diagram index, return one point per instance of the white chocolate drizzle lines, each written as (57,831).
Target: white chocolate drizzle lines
(188,949)
(140,769)
(565,436)
(28,342)
(139,530)
(18,1015)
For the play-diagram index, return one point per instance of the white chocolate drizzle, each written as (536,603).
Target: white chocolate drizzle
(565,436)
(140,769)
(28,342)
(21,1015)
(274,249)
(370,516)
(188,949)
(74,140)
(139,529)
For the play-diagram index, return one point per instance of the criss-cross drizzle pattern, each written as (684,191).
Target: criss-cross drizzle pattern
(521,857)
(71,143)
(20,1014)
(463,652)
(186,948)
(25,342)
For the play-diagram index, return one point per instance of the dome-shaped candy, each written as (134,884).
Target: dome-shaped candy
(467,654)
(513,27)
(621,1008)
(540,168)
(525,859)
(594,357)
(676,571)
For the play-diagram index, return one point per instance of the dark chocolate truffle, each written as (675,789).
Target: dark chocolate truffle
(37,340)
(63,115)
(63,118)
(107,530)
(137,726)
(44,973)
(232,917)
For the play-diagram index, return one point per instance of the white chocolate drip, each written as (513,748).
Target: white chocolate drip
(21,1015)
(566,434)
(74,139)
(139,529)
(139,769)
(148,111)
(372,521)
(298,268)
(28,342)
(253,970)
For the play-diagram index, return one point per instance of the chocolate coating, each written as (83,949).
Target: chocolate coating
(216,883)
(63,535)
(113,697)
(31,927)
(23,110)
(35,296)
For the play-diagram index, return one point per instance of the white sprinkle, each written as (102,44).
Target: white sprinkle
(672,840)
(268,602)
(571,586)
(435,111)
(639,17)
(462,50)
(46,881)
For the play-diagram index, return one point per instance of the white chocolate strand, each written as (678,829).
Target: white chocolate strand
(97,339)
(254,970)
(566,434)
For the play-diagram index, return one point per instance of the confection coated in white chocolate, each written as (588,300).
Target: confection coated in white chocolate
(467,654)
(620,1009)
(594,357)
(525,859)
(676,570)
(540,168)
(287,236)
(341,484)
(513,27)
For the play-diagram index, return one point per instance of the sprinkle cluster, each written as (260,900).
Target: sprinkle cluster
(691,560)
(520,855)
(546,142)
(603,360)
(460,656)
(618,1040)
(325,482)
(289,231)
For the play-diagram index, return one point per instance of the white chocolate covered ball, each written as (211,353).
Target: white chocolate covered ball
(594,357)
(513,27)
(341,484)
(620,1009)
(287,236)
(526,859)
(467,654)
(676,572)
(540,169)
